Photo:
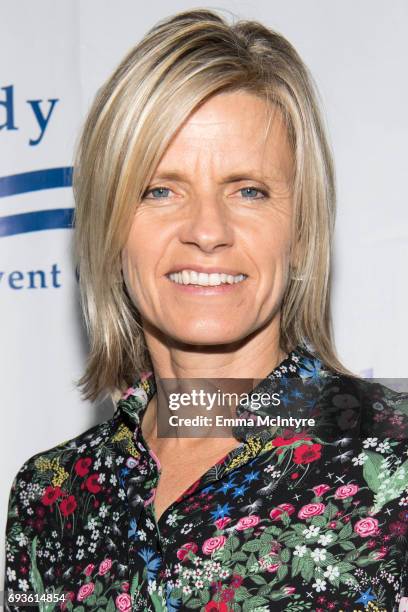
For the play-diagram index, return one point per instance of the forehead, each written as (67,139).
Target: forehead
(232,128)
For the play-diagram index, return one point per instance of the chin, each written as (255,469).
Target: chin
(210,333)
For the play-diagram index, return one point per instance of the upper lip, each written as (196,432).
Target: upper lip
(205,269)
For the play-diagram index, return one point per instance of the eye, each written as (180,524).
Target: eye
(250,192)
(158,193)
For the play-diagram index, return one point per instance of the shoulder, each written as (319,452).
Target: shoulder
(375,408)
(53,466)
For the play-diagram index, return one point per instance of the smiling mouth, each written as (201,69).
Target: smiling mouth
(203,279)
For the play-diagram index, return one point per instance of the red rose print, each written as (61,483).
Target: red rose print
(311,510)
(216,606)
(247,522)
(104,566)
(280,441)
(82,466)
(85,591)
(320,490)
(366,527)
(89,569)
(51,494)
(184,550)
(92,484)
(222,522)
(346,491)
(212,544)
(68,505)
(306,453)
(276,513)
(123,602)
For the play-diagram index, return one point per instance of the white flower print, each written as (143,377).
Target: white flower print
(23,584)
(149,524)
(171,519)
(325,539)
(360,459)
(103,511)
(300,550)
(11,574)
(318,554)
(96,441)
(22,540)
(370,442)
(332,572)
(319,585)
(311,531)
(95,535)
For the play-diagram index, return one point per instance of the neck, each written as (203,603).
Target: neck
(248,360)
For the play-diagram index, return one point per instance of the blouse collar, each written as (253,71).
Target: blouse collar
(300,364)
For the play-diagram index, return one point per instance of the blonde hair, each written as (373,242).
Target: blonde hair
(180,63)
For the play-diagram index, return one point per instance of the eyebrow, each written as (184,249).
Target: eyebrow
(235,177)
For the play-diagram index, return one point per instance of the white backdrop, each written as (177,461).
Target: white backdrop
(53,57)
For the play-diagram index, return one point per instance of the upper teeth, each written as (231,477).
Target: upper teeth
(191,277)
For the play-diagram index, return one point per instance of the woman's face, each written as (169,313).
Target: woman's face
(206,261)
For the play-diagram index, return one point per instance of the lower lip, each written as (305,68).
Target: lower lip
(207,290)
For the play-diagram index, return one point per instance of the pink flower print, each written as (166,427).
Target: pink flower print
(346,491)
(104,567)
(213,544)
(123,602)
(85,591)
(222,522)
(310,510)
(366,527)
(320,489)
(247,522)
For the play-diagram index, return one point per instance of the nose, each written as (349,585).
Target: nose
(208,225)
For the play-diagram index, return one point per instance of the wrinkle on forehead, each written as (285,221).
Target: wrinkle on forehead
(256,133)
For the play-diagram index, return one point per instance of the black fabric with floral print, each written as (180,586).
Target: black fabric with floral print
(310,520)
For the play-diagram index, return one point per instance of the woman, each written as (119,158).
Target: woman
(204,216)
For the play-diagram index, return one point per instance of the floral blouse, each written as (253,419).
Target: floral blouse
(300,520)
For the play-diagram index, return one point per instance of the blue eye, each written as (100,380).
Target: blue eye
(162,192)
(249,192)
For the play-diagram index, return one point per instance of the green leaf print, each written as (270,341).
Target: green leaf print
(391,488)
(135,585)
(111,606)
(306,568)
(372,468)
(36,580)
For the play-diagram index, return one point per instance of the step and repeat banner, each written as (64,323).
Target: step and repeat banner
(53,57)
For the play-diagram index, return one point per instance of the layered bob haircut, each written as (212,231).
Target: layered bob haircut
(179,64)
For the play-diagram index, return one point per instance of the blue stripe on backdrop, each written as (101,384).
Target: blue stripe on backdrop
(50,178)
(58,218)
